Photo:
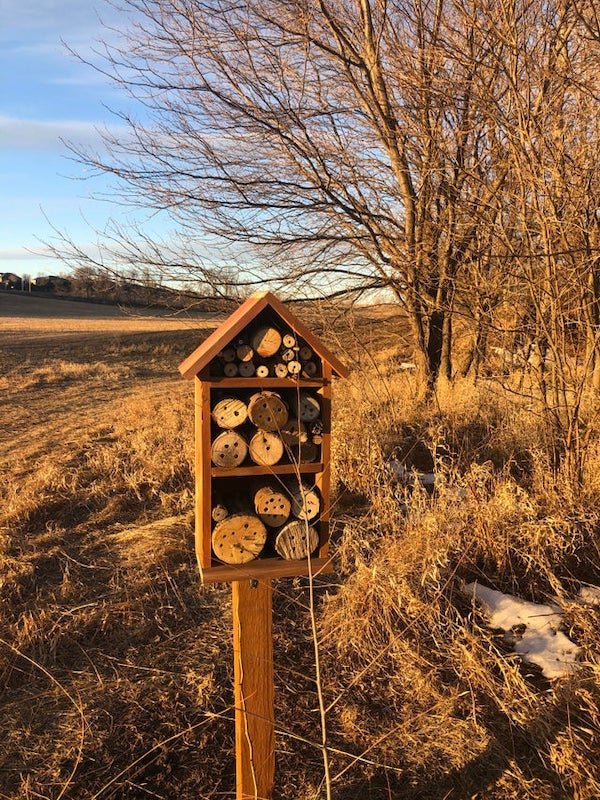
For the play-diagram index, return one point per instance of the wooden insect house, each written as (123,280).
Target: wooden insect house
(263,423)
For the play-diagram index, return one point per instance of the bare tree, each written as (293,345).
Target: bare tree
(342,146)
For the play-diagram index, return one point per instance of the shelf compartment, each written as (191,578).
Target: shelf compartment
(265,568)
(257,469)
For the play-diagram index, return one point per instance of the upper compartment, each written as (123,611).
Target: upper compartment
(261,341)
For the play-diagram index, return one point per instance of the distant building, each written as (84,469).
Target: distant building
(11,281)
(50,283)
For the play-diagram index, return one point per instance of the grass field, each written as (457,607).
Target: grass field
(115,666)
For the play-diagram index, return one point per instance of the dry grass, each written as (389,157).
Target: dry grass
(115,667)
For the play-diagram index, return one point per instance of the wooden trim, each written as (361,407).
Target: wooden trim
(252,612)
(203,476)
(276,469)
(323,477)
(263,383)
(237,321)
(264,569)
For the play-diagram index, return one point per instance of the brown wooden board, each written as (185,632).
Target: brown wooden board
(253,689)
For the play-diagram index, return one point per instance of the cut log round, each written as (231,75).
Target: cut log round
(262,371)
(288,340)
(244,352)
(266,448)
(309,408)
(239,538)
(266,341)
(230,412)
(230,369)
(268,411)
(309,369)
(272,506)
(305,353)
(246,369)
(219,512)
(228,354)
(294,367)
(305,503)
(296,540)
(228,450)
(287,355)
(280,370)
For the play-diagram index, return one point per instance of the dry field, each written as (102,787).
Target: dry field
(115,666)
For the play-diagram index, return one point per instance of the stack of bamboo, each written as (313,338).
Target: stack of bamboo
(264,429)
(267,352)
(278,515)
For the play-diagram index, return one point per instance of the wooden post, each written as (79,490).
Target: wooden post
(253,683)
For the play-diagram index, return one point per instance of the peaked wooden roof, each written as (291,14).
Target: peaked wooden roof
(236,322)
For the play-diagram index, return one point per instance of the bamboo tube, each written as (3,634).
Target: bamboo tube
(262,371)
(246,369)
(305,503)
(228,450)
(296,540)
(230,369)
(219,512)
(244,352)
(272,506)
(266,448)
(230,412)
(228,354)
(294,367)
(288,340)
(287,355)
(280,370)
(309,368)
(266,341)
(239,538)
(267,411)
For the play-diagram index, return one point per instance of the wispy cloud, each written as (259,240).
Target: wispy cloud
(49,135)
(21,254)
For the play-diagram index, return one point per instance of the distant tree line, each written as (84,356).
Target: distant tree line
(96,285)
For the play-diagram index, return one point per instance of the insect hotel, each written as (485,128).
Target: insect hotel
(263,424)
(263,427)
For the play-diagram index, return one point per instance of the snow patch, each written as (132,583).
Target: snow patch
(532,629)
(590,595)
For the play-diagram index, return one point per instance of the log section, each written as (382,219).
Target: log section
(305,503)
(307,407)
(228,450)
(272,506)
(239,538)
(267,411)
(296,540)
(266,341)
(266,448)
(230,412)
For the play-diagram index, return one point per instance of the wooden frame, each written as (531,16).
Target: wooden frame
(198,367)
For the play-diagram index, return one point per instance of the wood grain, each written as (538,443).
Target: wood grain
(253,689)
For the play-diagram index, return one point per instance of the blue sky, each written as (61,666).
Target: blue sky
(46,95)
